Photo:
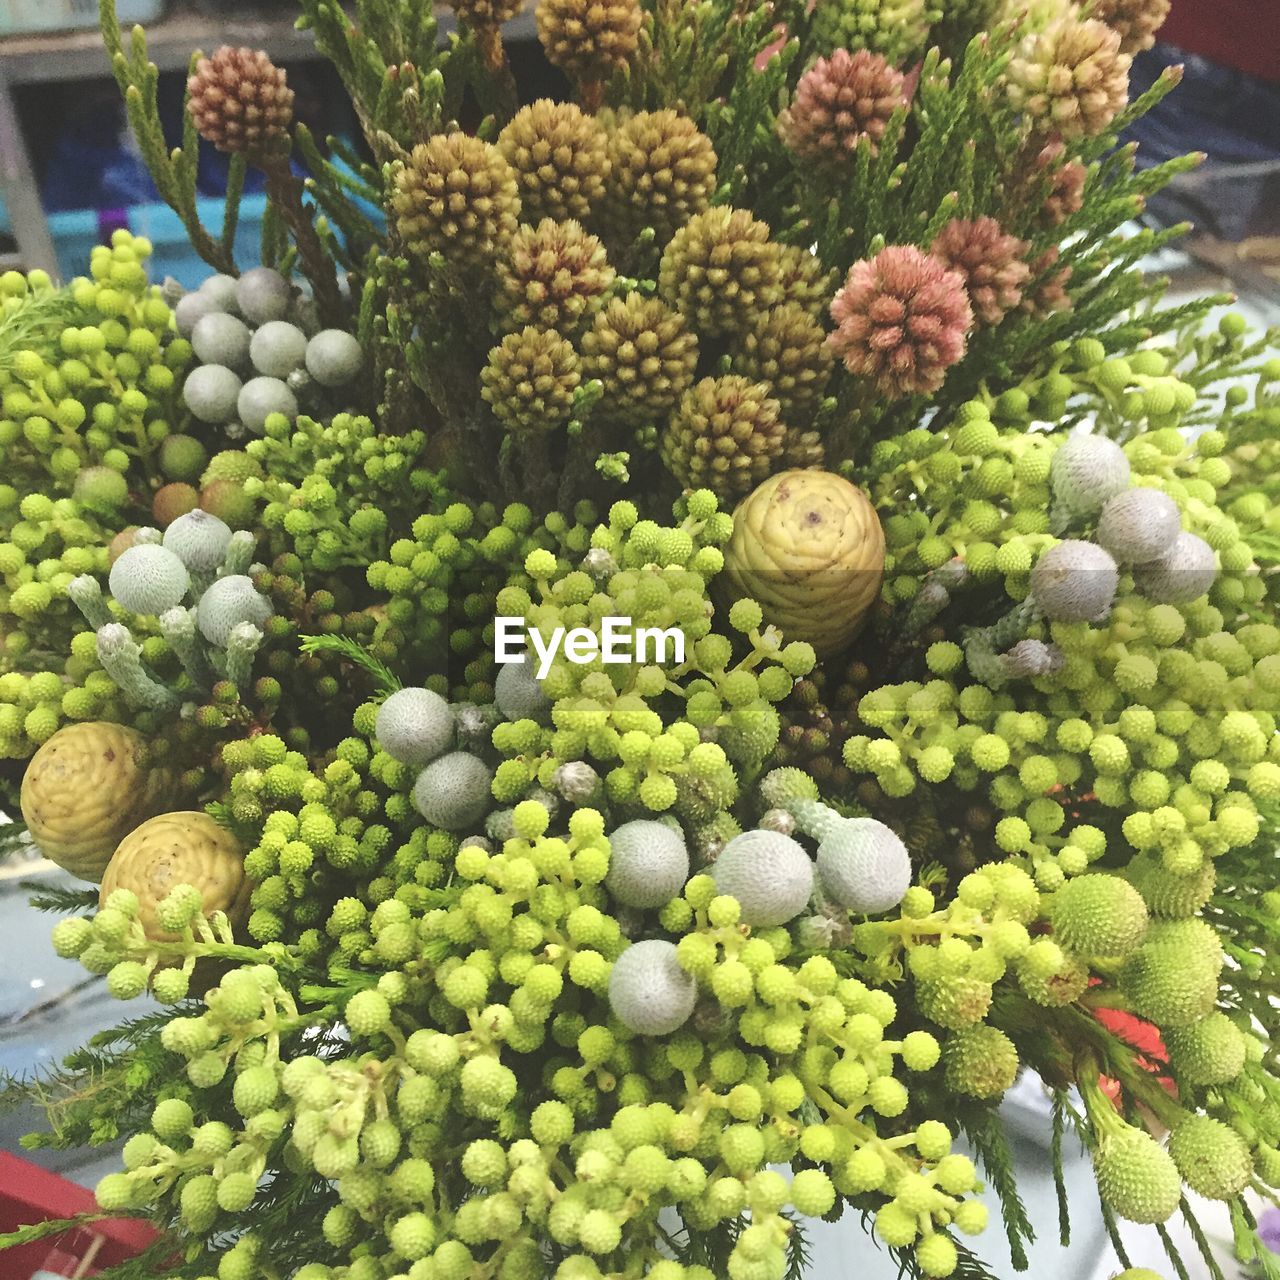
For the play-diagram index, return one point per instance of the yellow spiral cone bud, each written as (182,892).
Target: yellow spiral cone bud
(808,546)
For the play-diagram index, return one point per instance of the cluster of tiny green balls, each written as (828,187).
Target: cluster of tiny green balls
(440,582)
(330,492)
(48,543)
(446,1153)
(105,396)
(606,715)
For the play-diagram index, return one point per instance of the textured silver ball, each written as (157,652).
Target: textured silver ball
(648,864)
(1086,471)
(221,339)
(220,290)
(414,726)
(263,294)
(199,539)
(770,874)
(1184,573)
(191,308)
(517,692)
(228,602)
(1139,525)
(260,397)
(452,792)
(210,392)
(147,579)
(863,866)
(334,358)
(278,349)
(1074,582)
(649,992)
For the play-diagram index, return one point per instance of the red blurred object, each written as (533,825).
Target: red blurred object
(29,1194)
(1144,1038)
(1232,33)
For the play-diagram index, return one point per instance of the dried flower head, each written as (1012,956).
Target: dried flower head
(1071,79)
(902,320)
(644,354)
(457,196)
(240,101)
(662,172)
(990,261)
(560,156)
(721,270)
(552,275)
(1136,21)
(530,379)
(589,39)
(725,436)
(839,101)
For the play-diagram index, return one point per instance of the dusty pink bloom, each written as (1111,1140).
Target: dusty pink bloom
(902,319)
(839,101)
(990,261)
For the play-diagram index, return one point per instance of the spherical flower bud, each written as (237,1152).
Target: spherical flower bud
(902,320)
(457,196)
(226,604)
(769,874)
(1135,21)
(553,275)
(560,156)
(1139,525)
(724,436)
(1137,1178)
(649,992)
(648,863)
(1074,581)
(839,101)
(415,726)
(199,540)
(1099,915)
(864,866)
(148,579)
(990,261)
(530,380)
(980,1061)
(1071,78)
(589,39)
(240,101)
(1183,573)
(1212,1158)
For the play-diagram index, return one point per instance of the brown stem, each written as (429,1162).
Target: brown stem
(592,94)
(285,192)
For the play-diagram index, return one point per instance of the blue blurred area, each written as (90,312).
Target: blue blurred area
(1234,119)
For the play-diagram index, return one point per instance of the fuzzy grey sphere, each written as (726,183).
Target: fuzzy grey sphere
(1074,581)
(147,579)
(221,339)
(1086,471)
(452,792)
(1184,573)
(769,873)
(1139,525)
(211,392)
(334,357)
(191,308)
(260,397)
(263,294)
(199,539)
(649,992)
(220,289)
(278,349)
(863,866)
(414,725)
(228,602)
(517,692)
(648,864)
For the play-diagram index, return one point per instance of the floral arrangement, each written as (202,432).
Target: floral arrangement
(809,338)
